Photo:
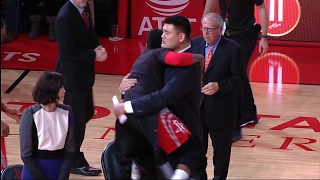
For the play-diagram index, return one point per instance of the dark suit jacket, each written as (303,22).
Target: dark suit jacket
(148,69)
(76,43)
(227,67)
(181,94)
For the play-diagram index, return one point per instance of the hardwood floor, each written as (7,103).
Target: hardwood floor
(283,145)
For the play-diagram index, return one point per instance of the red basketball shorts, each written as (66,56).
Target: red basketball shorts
(172,133)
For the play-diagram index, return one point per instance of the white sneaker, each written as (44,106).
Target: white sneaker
(135,173)
(249,122)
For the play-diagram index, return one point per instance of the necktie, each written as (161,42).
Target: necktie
(208,58)
(85,18)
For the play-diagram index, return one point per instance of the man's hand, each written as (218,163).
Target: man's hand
(14,113)
(118,109)
(127,83)
(101,53)
(210,88)
(4,129)
(263,46)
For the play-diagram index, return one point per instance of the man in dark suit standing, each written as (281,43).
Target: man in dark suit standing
(224,71)
(181,94)
(241,27)
(79,48)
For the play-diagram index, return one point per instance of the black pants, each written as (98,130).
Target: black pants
(139,135)
(81,103)
(247,108)
(191,154)
(221,142)
(52,7)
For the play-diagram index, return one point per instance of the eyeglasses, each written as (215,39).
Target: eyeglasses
(208,29)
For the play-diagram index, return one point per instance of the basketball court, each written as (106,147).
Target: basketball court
(285,82)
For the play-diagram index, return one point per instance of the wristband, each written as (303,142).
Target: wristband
(265,36)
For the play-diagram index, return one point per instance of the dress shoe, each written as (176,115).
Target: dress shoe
(9,37)
(86,171)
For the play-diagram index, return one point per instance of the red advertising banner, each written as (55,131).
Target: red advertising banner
(293,20)
(283,16)
(149,14)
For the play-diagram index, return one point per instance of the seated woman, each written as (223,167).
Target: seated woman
(46,131)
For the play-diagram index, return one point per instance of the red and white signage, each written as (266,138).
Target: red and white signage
(284,16)
(149,14)
(277,68)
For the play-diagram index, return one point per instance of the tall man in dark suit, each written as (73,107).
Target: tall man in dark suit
(79,48)
(181,94)
(224,71)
